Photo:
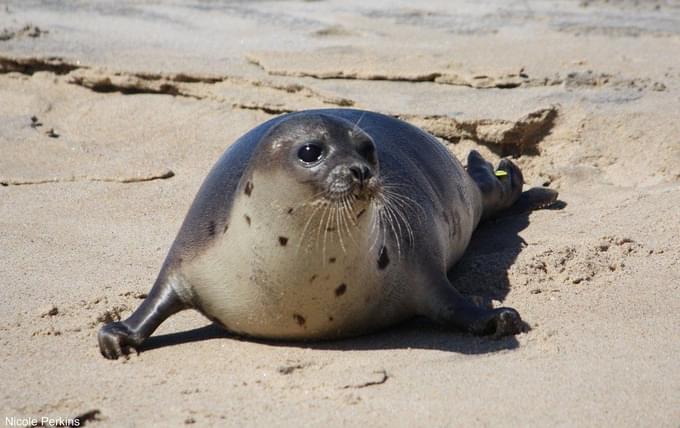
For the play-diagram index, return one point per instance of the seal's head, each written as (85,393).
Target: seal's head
(332,157)
(316,177)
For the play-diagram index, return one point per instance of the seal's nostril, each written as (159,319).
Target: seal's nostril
(361,173)
(356,172)
(367,173)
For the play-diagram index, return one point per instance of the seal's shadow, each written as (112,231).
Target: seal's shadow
(482,273)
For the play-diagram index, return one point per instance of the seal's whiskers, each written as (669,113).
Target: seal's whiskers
(303,235)
(346,210)
(394,209)
(338,213)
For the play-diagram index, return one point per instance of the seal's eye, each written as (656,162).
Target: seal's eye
(310,152)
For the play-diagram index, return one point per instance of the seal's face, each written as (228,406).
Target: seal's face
(332,157)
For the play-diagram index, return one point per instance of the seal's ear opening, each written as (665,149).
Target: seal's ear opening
(366,148)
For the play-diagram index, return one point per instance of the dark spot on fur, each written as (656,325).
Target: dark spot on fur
(247,217)
(340,290)
(299,319)
(330,319)
(383,258)
(249,188)
(332,260)
(312,279)
(361,213)
(226,226)
(331,229)
(283,241)
(290,211)
(211,228)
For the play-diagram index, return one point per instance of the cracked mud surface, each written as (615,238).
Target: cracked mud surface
(112,113)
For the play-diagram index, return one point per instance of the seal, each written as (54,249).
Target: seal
(324,224)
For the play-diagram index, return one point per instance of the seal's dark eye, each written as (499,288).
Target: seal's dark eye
(310,153)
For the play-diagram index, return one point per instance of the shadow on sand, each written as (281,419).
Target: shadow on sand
(482,272)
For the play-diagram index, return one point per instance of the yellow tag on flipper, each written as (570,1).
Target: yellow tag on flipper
(501,173)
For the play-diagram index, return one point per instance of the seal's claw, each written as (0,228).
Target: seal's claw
(501,322)
(115,340)
(508,323)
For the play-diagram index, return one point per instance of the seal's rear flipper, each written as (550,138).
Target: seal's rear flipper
(536,198)
(117,338)
(446,306)
(500,188)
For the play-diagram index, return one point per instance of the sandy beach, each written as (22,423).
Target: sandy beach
(112,113)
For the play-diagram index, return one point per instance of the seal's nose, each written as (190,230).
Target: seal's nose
(361,173)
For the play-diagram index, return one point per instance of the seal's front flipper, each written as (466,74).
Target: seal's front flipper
(446,306)
(117,338)
(500,188)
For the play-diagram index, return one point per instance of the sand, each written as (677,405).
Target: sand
(112,113)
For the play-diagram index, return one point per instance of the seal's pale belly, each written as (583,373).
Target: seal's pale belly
(260,279)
